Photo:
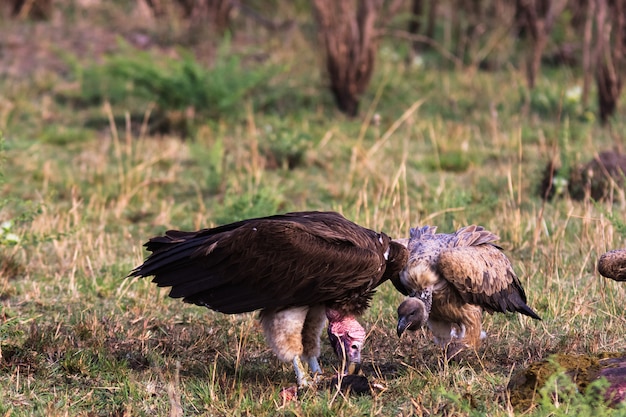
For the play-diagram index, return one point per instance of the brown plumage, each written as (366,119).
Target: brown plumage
(612,264)
(451,279)
(298,269)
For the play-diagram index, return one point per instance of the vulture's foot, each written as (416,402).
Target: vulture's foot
(314,368)
(452,351)
(302,373)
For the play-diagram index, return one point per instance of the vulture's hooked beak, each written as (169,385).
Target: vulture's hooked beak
(353,358)
(403,325)
(349,350)
(354,368)
(412,315)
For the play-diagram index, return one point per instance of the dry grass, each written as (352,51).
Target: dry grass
(434,147)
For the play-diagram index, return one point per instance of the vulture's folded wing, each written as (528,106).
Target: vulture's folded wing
(266,263)
(473,236)
(484,276)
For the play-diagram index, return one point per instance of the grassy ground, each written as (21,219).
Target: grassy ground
(86,179)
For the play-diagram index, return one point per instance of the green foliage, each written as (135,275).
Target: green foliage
(9,330)
(64,135)
(283,146)
(615,217)
(211,157)
(2,157)
(560,396)
(258,202)
(7,237)
(175,84)
(552,100)
(453,160)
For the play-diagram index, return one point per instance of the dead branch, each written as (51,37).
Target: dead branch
(347,30)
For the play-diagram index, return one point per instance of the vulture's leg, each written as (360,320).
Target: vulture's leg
(473,326)
(301,373)
(314,367)
(311,335)
(442,331)
(448,337)
(460,334)
(283,331)
(469,332)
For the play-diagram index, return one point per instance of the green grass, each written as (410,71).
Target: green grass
(450,148)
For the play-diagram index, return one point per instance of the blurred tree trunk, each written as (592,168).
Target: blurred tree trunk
(609,49)
(415,23)
(31,9)
(432,18)
(347,30)
(536,18)
(214,14)
(587,53)
(471,27)
(417,8)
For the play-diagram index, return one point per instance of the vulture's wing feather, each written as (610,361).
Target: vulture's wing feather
(418,236)
(473,236)
(484,276)
(174,259)
(258,263)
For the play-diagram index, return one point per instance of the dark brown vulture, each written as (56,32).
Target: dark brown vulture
(298,269)
(451,279)
(612,265)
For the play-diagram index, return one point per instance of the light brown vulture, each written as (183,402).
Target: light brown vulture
(298,269)
(612,264)
(451,279)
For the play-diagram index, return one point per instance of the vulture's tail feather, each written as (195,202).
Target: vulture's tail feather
(526,310)
(173,264)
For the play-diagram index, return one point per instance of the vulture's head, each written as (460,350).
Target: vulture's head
(346,337)
(412,315)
